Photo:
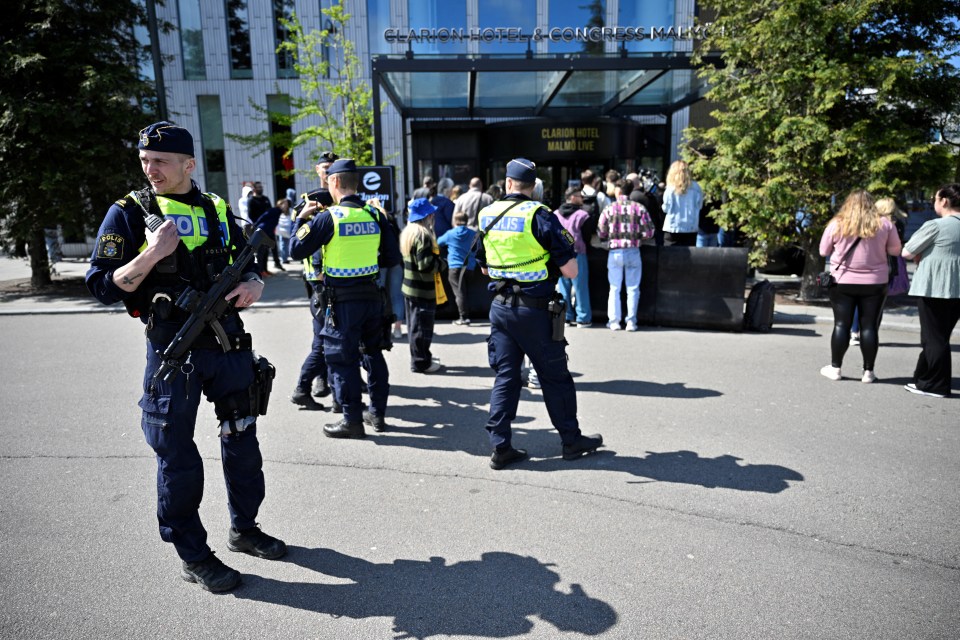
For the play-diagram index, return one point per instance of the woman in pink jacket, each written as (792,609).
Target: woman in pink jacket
(858,241)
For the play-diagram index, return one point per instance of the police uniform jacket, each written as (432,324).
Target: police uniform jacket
(313,234)
(123,232)
(551,235)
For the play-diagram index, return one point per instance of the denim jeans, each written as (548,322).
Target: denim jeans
(623,265)
(579,286)
(284,244)
(707,240)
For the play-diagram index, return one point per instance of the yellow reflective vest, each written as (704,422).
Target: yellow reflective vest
(353,250)
(512,252)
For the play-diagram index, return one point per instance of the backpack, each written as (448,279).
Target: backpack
(759,313)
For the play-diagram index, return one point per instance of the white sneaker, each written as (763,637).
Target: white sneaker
(533,381)
(614,326)
(831,372)
(433,368)
(912,388)
(854,339)
(397,333)
(631,326)
(868,376)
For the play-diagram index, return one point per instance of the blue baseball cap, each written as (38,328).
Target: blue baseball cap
(522,170)
(420,209)
(166,136)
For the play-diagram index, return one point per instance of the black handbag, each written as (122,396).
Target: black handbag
(825,279)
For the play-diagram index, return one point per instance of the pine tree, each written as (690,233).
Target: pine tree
(71,103)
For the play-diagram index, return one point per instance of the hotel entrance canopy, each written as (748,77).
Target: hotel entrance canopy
(535,86)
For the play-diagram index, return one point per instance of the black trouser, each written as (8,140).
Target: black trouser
(847,298)
(938,317)
(460,290)
(671,239)
(421,314)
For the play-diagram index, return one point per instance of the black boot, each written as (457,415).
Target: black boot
(344,429)
(211,574)
(320,387)
(582,446)
(501,459)
(377,422)
(305,400)
(256,543)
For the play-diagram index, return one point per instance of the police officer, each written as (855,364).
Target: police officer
(524,251)
(313,372)
(356,241)
(147,270)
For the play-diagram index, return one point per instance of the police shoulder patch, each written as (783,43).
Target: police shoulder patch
(567,236)
(303,231)
(110,246)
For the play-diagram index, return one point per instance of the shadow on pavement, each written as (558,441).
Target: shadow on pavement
(684,467)
(644,388)
(493,597)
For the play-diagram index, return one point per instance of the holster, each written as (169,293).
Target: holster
(557,309)
(263,375)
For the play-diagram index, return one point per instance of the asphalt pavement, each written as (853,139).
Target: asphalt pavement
(739,493)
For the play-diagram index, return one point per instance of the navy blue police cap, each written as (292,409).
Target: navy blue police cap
(344,165)
(166,136)
(522,170)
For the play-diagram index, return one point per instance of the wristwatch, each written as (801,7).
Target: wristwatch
(251,277)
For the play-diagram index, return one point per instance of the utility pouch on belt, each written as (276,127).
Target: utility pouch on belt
(388,317)
(263,375)
(557,308)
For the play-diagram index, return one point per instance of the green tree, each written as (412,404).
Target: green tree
(334,111)
(819,97)
(71,103)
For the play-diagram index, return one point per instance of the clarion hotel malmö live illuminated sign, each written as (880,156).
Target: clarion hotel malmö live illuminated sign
(549,34)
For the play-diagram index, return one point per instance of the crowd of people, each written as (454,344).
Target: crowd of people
(158,244)
(863,242)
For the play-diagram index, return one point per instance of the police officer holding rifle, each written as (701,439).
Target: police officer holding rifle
(166,253)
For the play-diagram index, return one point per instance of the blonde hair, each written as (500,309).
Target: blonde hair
(858,216)
(416,233)
(887,207)
(679,177)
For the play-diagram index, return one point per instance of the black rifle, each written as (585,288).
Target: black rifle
(206,310)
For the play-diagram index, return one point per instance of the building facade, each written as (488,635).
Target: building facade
(460,85)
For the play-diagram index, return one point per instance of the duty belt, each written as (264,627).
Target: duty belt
(519,299)
(238,342)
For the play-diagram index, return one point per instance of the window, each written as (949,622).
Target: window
(191,40)
(283,10)
(378,21)
(577,14)
(649,14)
(282,162)
(211,141)
(438,14)
(145,57)
(506,14)
(238,34)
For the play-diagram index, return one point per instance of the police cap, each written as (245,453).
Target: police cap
(522,170)
(166,136)
(345,165)
(327,156)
